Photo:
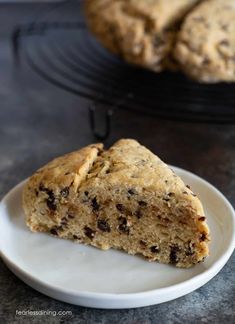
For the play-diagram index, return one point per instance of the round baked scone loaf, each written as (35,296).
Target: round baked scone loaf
(123,198)
(206,43)
(141,31)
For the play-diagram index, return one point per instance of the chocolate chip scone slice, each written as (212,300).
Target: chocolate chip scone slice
(142,32)
(206,43)
(124,198)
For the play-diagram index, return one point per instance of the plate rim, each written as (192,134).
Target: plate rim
(203,277)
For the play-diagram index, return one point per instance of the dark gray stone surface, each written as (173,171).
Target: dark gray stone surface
(39,121)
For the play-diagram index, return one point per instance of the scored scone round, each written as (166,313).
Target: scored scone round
(205,45)
(124,198)
(142,32)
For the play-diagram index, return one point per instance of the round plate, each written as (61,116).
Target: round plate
(86,276)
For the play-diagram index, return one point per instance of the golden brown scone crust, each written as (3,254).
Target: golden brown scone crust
(60,175)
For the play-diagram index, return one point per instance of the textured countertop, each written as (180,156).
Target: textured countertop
(39,121)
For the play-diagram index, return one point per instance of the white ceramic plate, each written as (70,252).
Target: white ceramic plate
(86,276)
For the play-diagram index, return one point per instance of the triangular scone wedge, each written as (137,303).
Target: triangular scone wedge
(124,198)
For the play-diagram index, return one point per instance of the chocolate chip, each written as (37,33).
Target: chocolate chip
(142,203)
(51,201)
(76,237)
(190,250)
(95,205)
(173,254)
(202,218)
(123,227)
(41,187)
(50,194)
(103,225)
(120,207)
(188,187)
(86,193)
(100,151)
(46,190)
(51,204)
(143,243)
(122,219)
(185,192)
(203,237)
(89,232)
(67,173)
(64,192)
(138,213)
(132,192)
(168,196)
(166,199)
(36,192)
(53,231)
(71,216)
(154,249)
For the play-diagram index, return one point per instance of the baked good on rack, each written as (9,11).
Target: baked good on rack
(143,32)
(124,198)
(205,46)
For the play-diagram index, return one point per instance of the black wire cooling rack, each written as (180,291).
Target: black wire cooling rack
(58,46)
